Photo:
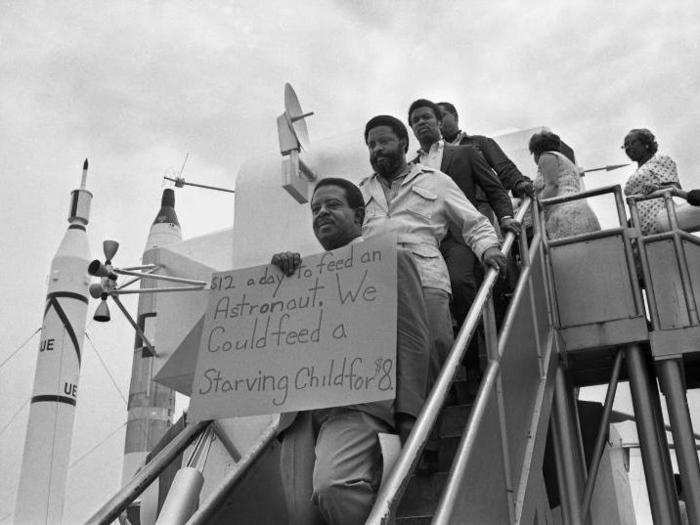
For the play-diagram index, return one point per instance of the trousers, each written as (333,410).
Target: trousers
(331,466)
(437,305)
(465,276)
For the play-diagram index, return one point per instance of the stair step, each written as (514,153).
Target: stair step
(461,392)
(414,520)
(423,492)
(446,453)
(453,419)
(422,495)
(464,386)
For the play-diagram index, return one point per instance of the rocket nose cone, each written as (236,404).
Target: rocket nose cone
(167,214)
(168,198)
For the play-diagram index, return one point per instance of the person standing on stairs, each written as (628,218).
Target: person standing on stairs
(421,205)
(468,168)
(330,461)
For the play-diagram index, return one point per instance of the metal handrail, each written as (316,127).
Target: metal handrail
(150,471)
(675,234)
(623,229)
(656,194)
(669,235)
(478,410)
(392,489)
(613,188)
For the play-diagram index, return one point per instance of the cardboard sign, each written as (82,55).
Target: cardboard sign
(324,337)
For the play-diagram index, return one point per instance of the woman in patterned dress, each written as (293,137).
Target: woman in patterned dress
(653,172)
(557,176)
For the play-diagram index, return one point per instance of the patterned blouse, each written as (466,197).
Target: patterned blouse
(658,170)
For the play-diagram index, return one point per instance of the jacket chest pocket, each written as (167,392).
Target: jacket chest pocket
(421,203)
(373,210)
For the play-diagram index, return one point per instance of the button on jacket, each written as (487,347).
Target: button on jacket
(426,205)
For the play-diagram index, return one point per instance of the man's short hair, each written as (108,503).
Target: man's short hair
(387,120)
(353,194)
(424,103)
(449,108)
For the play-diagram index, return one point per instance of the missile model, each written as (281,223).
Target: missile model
(151,405)
(42,482)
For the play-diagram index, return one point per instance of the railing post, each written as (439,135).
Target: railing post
(570,453)
(491,337)
(683,438)
(564,498)
(602,433)
(655,458)
(682,260)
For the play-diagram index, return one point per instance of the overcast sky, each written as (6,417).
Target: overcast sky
(134,86)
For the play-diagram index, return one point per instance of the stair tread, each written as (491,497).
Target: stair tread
(414,520)
(453,419)
(422,495)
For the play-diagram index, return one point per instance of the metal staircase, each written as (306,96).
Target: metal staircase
(577,317)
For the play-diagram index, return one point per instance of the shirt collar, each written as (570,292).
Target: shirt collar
(400,176)
(436,146)
(416,169)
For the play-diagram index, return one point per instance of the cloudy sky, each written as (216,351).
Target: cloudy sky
(134,86)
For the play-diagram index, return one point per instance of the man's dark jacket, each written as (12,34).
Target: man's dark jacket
(505,169)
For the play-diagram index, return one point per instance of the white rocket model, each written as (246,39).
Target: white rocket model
(151,404)
(50,428)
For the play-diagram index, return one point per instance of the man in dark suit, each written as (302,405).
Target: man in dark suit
(468,168)
(507,172)
(505,169)
(331,464)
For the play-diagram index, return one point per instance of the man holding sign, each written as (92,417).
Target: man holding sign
(330,461)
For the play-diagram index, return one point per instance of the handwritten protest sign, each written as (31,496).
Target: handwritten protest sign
(324,337)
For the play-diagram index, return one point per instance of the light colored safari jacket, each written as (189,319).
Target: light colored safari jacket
(425,206)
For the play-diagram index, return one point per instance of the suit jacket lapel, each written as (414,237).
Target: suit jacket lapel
(447,156)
